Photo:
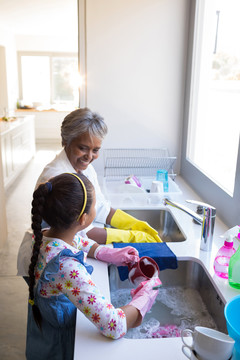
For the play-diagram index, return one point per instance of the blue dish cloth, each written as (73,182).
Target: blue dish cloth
(159,252)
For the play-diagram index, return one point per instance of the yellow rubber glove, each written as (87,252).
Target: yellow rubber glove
(122,220)
(128,236)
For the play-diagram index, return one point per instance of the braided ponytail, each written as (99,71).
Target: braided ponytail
(39,196)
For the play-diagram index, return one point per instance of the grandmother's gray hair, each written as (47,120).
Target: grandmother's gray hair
(82,121)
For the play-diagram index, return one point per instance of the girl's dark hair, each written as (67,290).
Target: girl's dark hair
(59,202)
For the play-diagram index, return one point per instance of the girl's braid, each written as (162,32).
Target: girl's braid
(39,196)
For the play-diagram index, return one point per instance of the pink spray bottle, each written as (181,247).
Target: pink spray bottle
(221,262)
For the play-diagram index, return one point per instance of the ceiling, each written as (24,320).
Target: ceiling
(39,17)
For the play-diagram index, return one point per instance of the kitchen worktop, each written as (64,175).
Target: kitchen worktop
(91,344)
(6,126)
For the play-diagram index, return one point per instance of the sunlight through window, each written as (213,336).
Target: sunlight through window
(49,79)
(213,133)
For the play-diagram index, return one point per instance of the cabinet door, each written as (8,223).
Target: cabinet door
(17,149)
(7,160)
(22,146)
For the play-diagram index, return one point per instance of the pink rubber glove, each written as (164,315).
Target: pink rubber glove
(118,257)
(143,296)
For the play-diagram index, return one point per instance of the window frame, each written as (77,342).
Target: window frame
(41,53)
(228,207)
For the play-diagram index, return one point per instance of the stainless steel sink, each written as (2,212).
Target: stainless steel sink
(162,221)
(189,281)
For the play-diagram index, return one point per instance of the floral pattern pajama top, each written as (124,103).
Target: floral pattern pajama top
(76,284)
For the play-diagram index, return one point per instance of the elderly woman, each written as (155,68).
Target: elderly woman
(82,133)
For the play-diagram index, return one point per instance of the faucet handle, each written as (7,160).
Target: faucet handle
(204,205)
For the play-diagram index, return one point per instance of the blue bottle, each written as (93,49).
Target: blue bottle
(162,175)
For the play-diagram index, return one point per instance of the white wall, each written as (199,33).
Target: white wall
(136,70)
(7,40)
(3,84)
(46,43)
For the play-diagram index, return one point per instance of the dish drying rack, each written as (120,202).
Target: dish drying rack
(123,162)
(143,163)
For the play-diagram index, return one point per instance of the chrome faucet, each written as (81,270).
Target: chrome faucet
(207,220)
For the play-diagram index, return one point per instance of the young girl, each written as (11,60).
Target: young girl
(60,280)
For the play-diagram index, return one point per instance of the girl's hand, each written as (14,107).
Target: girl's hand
(119,257)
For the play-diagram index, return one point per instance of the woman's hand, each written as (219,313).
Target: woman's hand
(122,220)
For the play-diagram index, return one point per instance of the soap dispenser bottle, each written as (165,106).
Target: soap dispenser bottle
(221,262)
(234,270)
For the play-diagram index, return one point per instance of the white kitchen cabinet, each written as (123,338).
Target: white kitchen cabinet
(17,147)
(47,124)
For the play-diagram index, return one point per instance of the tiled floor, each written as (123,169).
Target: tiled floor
(14,290)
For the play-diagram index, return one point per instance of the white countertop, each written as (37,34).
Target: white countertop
(89,343)
(6,126)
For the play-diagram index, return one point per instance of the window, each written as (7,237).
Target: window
(211,150)
(48,79)
(214,120)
